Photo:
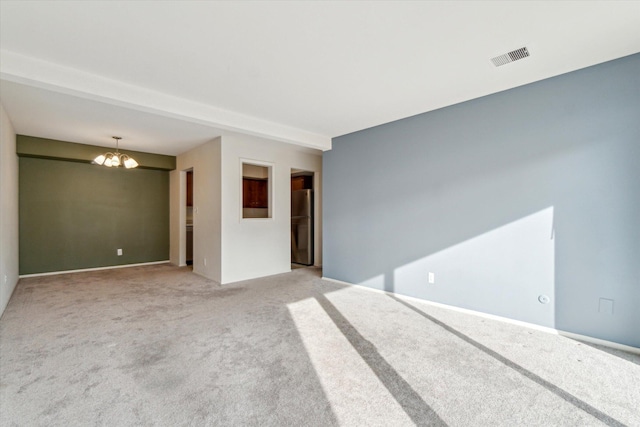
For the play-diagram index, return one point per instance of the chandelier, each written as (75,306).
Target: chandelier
(113,160)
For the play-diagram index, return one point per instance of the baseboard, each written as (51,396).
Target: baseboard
(553,331)
(6,303)
(598,341)
(82,270)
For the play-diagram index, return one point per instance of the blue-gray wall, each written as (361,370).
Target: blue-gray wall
(529,192)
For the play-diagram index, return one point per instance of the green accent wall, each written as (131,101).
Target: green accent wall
(76,215)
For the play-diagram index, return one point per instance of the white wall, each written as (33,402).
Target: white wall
(8,210)
(259,247)
(205,161)
(236,248)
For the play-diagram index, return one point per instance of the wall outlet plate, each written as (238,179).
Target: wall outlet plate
(119,252)
(605,306)
(432,277)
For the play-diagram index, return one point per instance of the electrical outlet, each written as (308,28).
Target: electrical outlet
(204,261)
(119,252)
(432,277)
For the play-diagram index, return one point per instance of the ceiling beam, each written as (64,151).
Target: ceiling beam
(49,76)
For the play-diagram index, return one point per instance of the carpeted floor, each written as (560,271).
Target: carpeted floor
(159,345)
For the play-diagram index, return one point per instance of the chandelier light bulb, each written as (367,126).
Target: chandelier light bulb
(130,163)
(100,159)
(115,159)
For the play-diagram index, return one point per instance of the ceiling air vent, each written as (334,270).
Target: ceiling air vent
(514,55)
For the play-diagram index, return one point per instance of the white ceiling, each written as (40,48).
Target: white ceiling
(170,75)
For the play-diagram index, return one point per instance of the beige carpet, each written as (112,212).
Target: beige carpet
(159,345)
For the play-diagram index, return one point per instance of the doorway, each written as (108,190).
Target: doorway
(302,218)
(189,219)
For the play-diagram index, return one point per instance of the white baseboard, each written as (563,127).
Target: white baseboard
(553,331)
(598,341)
(82,270)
